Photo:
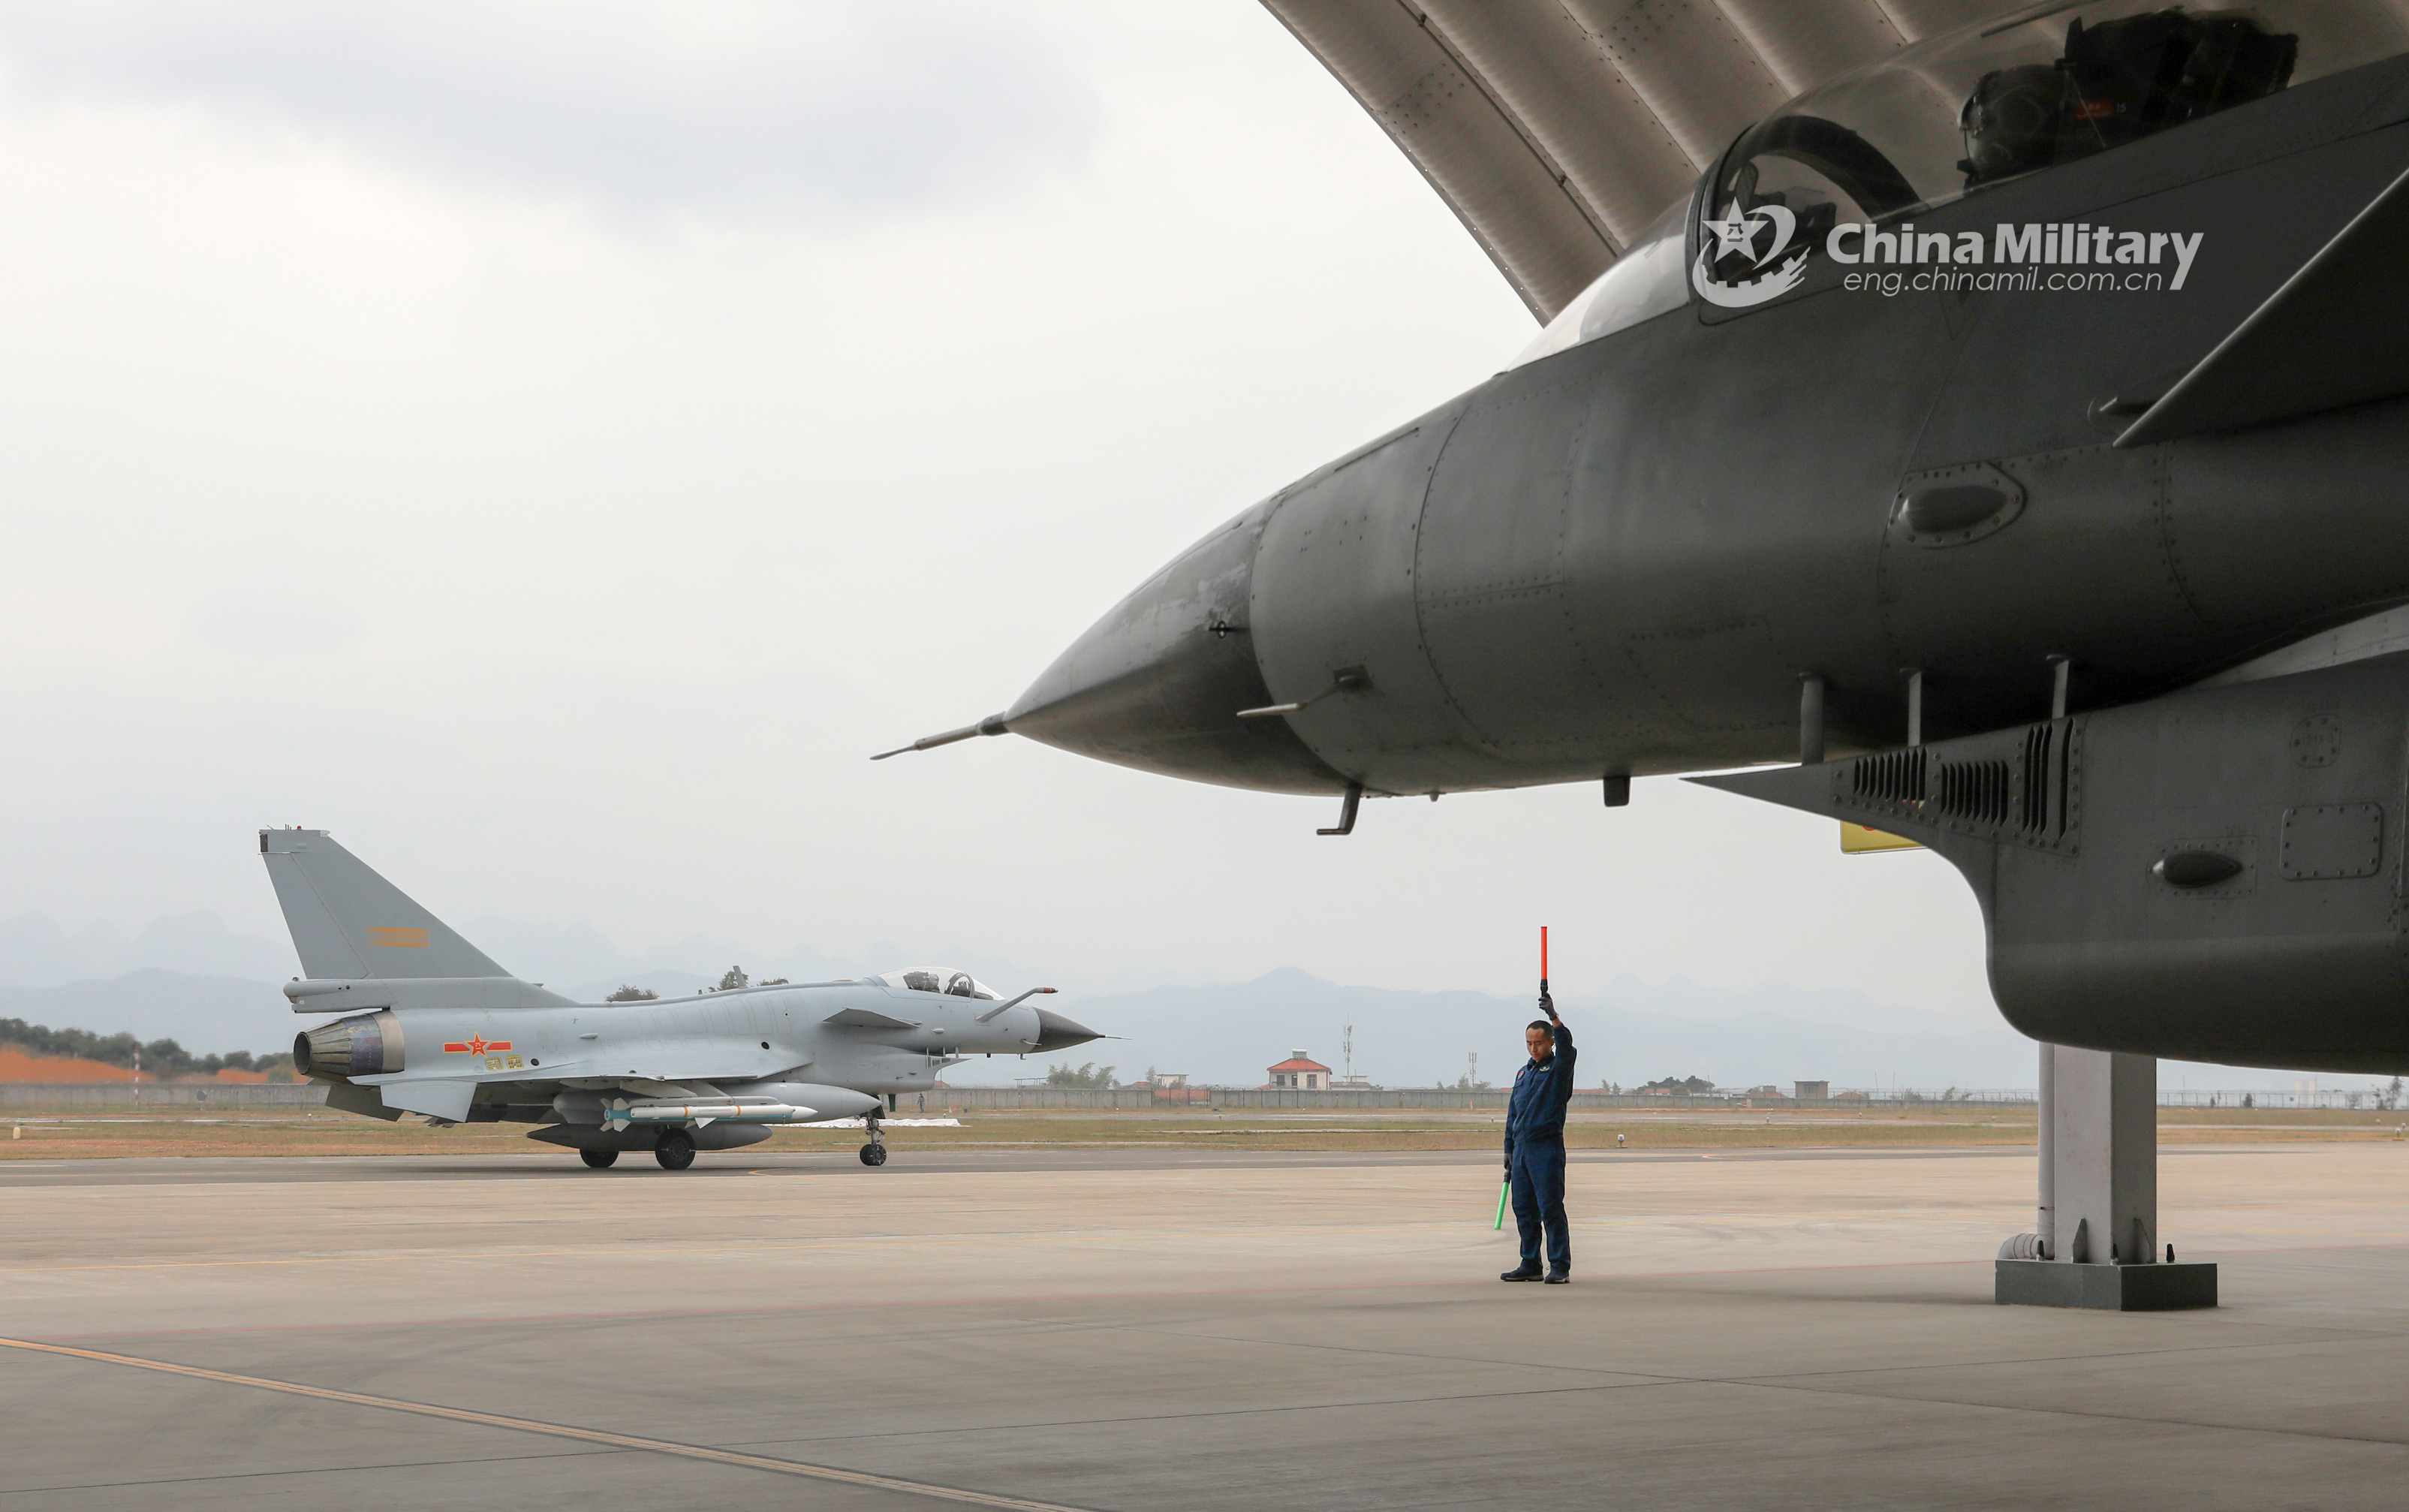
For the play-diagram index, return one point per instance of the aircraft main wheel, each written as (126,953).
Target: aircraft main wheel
(873,1155)
(599,1159)
(675,1150)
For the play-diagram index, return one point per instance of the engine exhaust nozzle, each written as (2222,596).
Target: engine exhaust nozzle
(364,1045)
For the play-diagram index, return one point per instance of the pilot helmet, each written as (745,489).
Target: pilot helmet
(2011,122)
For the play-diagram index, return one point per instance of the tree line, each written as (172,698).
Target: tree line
(164,1058)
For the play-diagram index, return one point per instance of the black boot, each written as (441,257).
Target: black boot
(1527,1271)
(1557,1278)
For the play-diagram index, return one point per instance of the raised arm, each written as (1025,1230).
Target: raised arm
(1561,1092)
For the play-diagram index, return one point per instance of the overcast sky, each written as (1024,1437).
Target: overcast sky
(552,447)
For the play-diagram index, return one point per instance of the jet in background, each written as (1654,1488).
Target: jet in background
(433,1026)
(2101,594)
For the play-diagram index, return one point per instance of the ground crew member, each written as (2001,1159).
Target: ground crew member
(1535,1146)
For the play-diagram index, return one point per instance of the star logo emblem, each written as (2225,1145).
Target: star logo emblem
(1737,233)
(476,1044)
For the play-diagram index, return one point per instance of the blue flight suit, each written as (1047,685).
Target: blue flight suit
(1534,1152)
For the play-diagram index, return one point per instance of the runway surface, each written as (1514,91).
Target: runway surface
(1126,1330)
(939,1161)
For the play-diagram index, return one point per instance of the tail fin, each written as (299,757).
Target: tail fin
(348,923)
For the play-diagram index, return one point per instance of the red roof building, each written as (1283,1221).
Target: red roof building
(1298,1074)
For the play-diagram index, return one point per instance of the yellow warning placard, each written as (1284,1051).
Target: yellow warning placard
(1858,840)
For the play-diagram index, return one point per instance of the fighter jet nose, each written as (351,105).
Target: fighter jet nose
(1157,683)
(1056,1032)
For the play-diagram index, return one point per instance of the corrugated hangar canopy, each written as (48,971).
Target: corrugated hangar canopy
(1557,129)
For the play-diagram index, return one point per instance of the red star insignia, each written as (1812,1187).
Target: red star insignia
(476,1044)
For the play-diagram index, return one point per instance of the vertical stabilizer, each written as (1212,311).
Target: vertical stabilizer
(348,923)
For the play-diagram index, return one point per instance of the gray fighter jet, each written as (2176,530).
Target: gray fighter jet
(2095,588)
(432,1025)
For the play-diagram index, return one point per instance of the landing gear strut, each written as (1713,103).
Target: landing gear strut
(675,1149)
(599,1159)
(2096,1242)
(874,1153)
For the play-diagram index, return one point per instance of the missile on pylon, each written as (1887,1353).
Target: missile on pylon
(620,1113)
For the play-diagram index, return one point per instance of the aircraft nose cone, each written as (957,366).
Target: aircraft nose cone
(1157,683)
(1056,1032)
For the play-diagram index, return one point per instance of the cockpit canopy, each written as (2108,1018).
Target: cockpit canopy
(1649,278)
(952,984)
(1978,106)
(1971,108)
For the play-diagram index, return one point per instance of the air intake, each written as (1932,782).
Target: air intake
(364,1045)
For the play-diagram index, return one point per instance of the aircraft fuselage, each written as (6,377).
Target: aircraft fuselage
(1622,557)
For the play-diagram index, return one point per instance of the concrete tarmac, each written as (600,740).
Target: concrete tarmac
(1147,1328)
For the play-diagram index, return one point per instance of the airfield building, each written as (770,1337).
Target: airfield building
(1298,1074)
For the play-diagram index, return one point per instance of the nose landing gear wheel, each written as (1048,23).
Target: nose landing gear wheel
(675,1150)
(873,1155)
(599,1159)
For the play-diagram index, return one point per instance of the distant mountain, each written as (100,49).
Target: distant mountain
(203,1013)
(1628,1034)
(36,951)
(578,961)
